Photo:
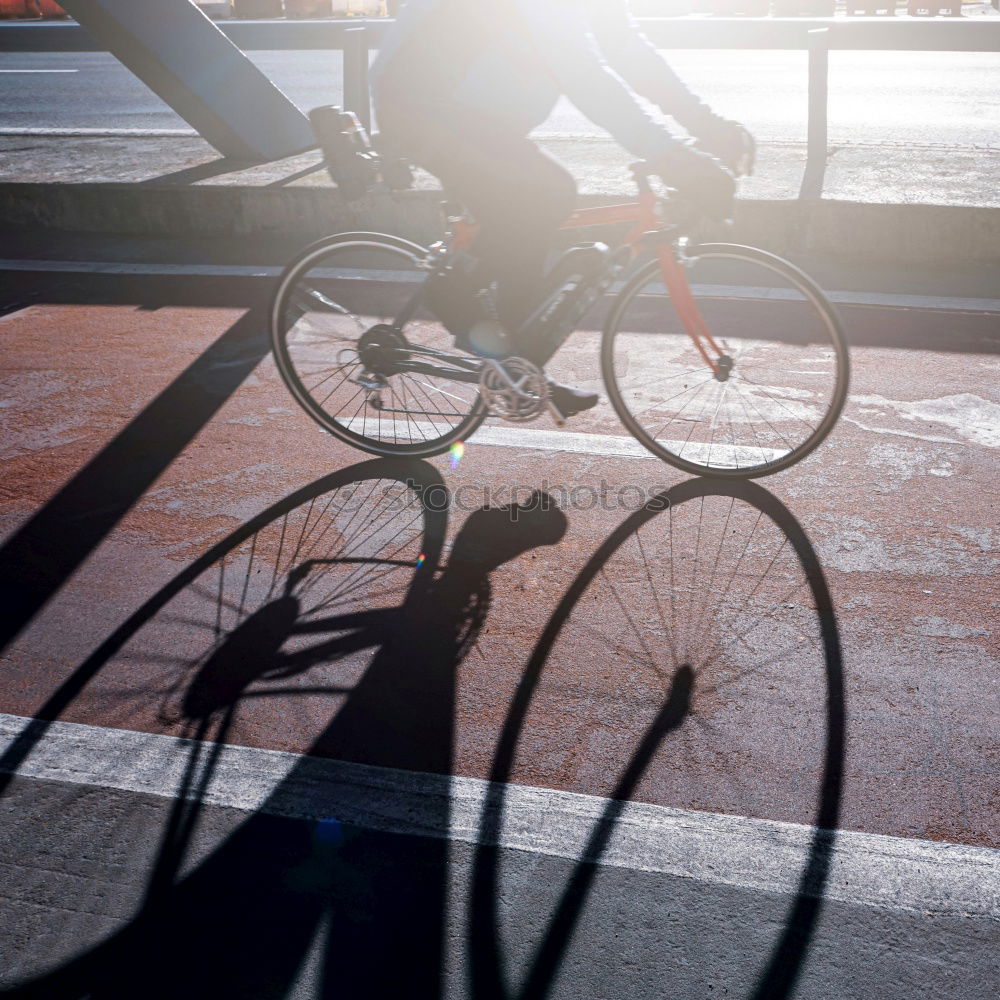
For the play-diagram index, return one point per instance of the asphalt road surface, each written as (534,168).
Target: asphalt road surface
(913,98)
(741,743)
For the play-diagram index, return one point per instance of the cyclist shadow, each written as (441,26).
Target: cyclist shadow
(288,608)
(281,901)
(692,666)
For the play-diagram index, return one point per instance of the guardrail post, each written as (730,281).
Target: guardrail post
(357,93)
(819,85)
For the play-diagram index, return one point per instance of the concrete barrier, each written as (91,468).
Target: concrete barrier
(899,233)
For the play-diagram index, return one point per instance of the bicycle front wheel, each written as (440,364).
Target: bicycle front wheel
(789,365)
(363,357)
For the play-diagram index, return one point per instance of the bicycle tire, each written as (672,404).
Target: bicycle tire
(757,459)
(815,640)
(408,432)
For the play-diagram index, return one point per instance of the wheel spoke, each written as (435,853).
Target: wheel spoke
(783,393)
(355,294)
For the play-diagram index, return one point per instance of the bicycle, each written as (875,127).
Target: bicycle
(740,373)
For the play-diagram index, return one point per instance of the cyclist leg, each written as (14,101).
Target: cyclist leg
(517,194)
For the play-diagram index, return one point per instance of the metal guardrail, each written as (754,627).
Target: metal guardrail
(857,33)
(357,37)
(872,33)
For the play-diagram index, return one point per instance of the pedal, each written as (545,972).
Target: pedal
(373,385)
(514,389)
(557,415)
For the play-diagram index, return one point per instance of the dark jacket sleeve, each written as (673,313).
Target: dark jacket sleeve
(565,42)
(633,57)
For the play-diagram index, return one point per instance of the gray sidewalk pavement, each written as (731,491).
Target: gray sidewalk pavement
(893,203)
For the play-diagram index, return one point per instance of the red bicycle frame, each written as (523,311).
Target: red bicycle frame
(645,220)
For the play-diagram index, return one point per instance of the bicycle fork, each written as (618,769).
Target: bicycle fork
(690,315)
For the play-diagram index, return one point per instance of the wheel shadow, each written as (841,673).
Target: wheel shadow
(342,599)
(685,657)
(336,598)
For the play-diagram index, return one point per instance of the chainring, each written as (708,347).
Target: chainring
(514,389)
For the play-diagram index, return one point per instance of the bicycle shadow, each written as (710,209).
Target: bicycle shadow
(350,599)
(689,655)
(339,592)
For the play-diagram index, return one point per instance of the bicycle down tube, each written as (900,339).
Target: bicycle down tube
(643,214)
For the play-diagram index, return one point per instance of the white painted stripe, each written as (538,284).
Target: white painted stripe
(885,300)
(912,875)
(569,135)
(572,442)
(953,303)
(133,269)
(139,133)
(615,446)
(39,71)
(753,292)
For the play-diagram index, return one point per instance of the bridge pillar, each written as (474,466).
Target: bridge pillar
(190,64)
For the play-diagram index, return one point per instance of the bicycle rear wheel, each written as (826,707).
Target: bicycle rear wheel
(363,357)
(789,374)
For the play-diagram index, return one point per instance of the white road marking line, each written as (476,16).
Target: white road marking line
(884,300)
(755,292)
(777,140)
(925,877)
(127,269)
(39,71)
(69,133)
(577,443)
(608,445)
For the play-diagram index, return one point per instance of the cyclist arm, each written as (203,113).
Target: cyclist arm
(560,30)
(632,55)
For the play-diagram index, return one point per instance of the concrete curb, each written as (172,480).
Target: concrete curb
(916,233)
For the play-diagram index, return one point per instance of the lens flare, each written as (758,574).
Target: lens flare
(421,559)
(456,451)
(329,831)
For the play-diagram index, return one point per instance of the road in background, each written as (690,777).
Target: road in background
(914,98)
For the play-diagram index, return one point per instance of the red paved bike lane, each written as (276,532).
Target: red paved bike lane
(232,572)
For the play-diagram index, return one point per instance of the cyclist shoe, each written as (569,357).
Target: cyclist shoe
(569,400)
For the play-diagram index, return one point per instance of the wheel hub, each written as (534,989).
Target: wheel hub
(379,349)
(723,368)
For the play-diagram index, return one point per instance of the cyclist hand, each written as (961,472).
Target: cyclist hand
(699,178)
(730,142)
